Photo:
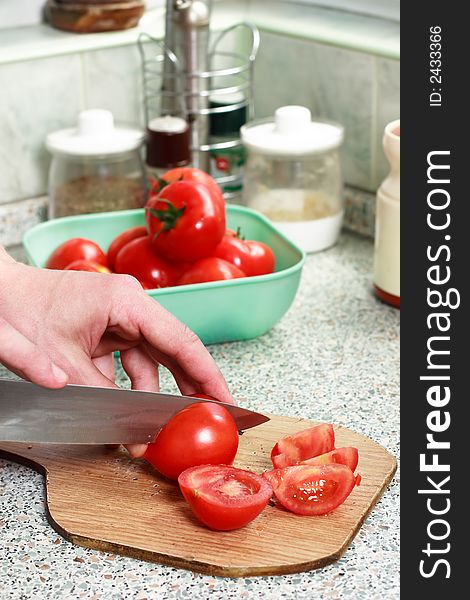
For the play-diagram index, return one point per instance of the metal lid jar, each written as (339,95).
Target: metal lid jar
(95,167)
(293,175)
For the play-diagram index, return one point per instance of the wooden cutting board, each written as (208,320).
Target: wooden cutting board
(102,499)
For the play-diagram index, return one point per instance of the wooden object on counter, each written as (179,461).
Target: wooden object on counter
(102,499)
(95,16)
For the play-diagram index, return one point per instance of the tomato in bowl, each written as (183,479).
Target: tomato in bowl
(217,311)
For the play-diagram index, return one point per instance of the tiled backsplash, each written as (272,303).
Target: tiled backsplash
(36,97)
(357,89)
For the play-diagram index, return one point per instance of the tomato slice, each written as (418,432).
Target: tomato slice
(223,497)
(303,445)
(311,490)
(347,455)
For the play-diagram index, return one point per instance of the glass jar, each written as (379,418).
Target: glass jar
(293,175)
(168,145)
(95,167)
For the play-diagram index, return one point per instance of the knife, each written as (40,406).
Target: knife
(78,414)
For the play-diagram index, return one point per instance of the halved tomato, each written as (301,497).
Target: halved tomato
(303,445)
(311,490)
(347,455)
(224,498)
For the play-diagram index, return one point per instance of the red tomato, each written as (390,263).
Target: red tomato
(348,456)
(311,490)
(76,249)
(185,220)
(303,445)
(224,498)
(87,265)
(202,433)
(210,269)
(253,258)
(138,258)
(121,240)
(188,174)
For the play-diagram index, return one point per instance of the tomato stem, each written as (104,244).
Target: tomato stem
(168,216)
(239,234)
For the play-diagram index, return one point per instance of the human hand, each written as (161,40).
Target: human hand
(59,327)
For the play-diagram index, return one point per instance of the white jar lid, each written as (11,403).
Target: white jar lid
(168,124)
(95,135)
(292,133)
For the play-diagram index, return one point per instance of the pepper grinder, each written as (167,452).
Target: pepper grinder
(187,36)
(387,223)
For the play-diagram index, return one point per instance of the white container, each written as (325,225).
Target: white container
(293,175)
(387,224)
(96,167)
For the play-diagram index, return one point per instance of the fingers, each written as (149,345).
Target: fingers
(82,370)
(186,385)
(25,359)
(5,257)
(184,351)
(106,365)
(142,370)
(143,373)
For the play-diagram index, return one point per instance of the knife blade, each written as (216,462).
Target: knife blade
(78,414)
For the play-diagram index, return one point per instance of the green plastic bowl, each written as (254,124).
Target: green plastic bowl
(219,311)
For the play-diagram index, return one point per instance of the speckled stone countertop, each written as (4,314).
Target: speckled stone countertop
(333,357)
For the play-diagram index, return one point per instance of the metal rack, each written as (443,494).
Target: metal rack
(176,91)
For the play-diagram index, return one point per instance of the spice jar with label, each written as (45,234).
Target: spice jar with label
(293,175)
(168,145)
(96,167)
(228,113)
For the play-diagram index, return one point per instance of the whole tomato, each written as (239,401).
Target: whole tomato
(76,249)
(138,258)
(187,174)
(202,433)
(185,220)
(210,269)
(87,265)
(122,239)
(252,257)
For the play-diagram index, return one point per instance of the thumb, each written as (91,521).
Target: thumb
(25,359)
